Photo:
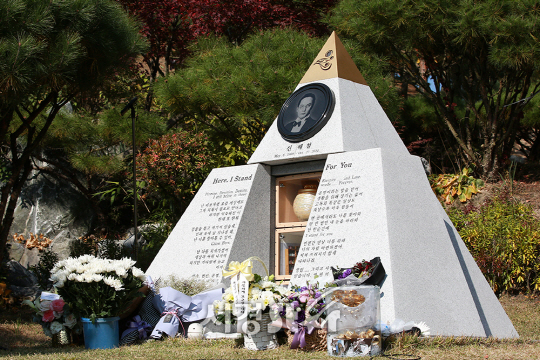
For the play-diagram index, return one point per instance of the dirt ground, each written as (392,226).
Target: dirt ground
(527,192)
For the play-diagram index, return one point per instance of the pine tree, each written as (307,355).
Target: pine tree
(49,52)
(93,151)
(171,25)
(482,57)
(234,93)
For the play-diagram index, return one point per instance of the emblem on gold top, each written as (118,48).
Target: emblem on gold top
(324,62)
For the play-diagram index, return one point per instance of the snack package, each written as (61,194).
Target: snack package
(352,315)
(354,343)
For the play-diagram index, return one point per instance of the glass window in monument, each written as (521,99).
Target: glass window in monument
(294,194)
(294,197)
(289,244)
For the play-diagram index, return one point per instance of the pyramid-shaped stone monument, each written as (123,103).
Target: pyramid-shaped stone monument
(373,199)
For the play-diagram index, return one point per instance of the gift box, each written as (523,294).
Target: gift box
(354,343)
(352,307)
(352,314)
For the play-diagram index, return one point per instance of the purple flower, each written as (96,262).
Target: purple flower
(345,274)
(295,304)
(300,316)
(303,288)
(318,294)
(304,296)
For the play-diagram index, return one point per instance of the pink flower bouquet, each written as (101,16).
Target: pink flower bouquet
(53,315)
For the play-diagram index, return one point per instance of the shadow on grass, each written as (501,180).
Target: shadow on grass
(20,336)
(42,350)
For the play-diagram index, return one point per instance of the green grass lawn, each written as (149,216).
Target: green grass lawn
(26,340)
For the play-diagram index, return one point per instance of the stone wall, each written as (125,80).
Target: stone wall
(52,208)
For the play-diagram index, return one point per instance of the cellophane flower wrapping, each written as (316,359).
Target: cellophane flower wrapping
(263,294)
(302,305)
(53,315)
(361,270)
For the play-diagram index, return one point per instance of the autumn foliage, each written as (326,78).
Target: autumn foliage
(170,25)
(167,27)
(175,166)
(236,19)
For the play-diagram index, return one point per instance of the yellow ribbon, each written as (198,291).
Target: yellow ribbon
(235,268)
(245,268)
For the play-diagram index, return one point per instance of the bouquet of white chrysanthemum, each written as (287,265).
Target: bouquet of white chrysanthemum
(262,294)
(97,288)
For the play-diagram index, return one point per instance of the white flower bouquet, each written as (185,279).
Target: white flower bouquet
(263,293)
(97,288)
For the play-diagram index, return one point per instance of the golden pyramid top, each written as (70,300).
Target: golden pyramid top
(333,61)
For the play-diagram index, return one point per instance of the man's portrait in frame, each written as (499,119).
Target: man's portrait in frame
(305,112)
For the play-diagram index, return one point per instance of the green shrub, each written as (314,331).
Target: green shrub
(110,249)
(83,246)
(504,238)
(43,268)
(102,248)
(155,236)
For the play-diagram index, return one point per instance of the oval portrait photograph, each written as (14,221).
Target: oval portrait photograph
(305,112)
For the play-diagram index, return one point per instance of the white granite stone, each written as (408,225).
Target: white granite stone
(373,200)
(348,221)
(220,214)
(378,203)
(255,227)
(357,123)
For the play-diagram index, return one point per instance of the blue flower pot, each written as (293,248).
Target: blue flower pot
(103,334)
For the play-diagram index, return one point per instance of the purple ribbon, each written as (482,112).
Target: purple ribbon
(299,338)
(141,326)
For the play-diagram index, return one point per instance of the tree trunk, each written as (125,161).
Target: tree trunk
(7,220)
(21,165)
